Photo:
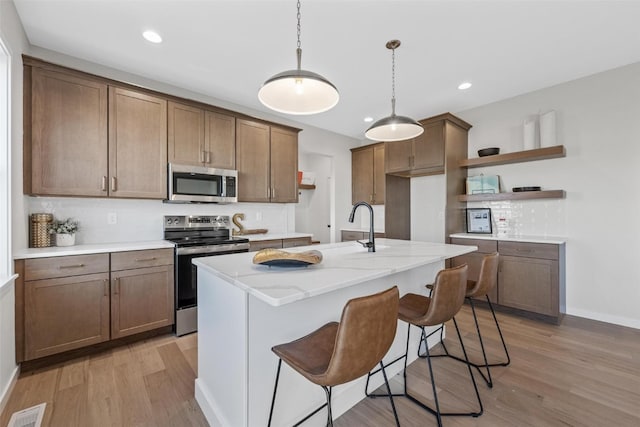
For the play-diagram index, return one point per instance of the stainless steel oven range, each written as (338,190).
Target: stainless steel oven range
(194,237)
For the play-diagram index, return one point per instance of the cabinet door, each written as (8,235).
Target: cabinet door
(141,300)
(428,148)
(185,134)
(378,175)
(284,166)
(68,136)
(529,284)
(265,244)
(398,156)
(348,236)
(220,140)
(252,161)
(137,145)
(297,241)
(65,313)
(362,175)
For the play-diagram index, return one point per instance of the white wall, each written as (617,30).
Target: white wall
(599,126)
(15,41)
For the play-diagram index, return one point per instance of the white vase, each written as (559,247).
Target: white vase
(65,239)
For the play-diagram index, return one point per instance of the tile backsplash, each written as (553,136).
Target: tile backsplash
(531,217)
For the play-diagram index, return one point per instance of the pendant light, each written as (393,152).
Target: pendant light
(394,128)
(298,91)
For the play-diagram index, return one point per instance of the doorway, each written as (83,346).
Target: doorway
(315,206)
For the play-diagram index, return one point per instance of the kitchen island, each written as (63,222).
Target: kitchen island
(245,309)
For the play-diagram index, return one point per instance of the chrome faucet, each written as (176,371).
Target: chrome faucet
(371,244)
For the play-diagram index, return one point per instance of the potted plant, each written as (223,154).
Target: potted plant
(65,231)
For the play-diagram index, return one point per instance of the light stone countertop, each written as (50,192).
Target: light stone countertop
(344,264)
(95,248)
(513,238)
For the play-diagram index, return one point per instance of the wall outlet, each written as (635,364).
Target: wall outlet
(112,218)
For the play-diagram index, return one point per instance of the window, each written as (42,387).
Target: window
(5,162)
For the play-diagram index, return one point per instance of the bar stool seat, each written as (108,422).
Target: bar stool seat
(337,353)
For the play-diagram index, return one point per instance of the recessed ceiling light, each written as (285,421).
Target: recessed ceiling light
(464,86)
(152,36)
(368,119)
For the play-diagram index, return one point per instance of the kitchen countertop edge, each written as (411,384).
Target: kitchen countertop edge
(94,248)
(555,240)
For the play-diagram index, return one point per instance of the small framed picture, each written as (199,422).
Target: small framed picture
(479,220)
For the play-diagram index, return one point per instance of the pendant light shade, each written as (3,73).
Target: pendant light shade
(393,127)
(298,91)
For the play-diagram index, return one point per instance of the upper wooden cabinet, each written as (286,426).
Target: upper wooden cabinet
(423,155)
(137,145)
(267,163)
(368,174)
(200,137)
(86,137)
(65,134)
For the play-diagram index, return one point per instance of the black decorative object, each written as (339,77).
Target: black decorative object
(489,151)
(519,189)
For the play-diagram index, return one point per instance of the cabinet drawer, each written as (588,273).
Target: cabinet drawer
(298,241)
(65,266)
(531,250)
(139,259)
(352,235)
(484,246)
(264,244)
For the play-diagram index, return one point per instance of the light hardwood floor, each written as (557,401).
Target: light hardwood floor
(581,373)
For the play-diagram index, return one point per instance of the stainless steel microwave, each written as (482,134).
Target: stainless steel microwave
(201,185)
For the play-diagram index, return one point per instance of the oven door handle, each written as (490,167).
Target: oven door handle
(238,247)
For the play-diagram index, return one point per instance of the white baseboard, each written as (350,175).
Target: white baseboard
(602,317)
(6,393)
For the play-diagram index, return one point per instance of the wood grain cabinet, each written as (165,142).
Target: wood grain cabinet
(84,136)
(531,276)
(65,135)
(66,304)
(349,235)
(141,291)
(200,137)
(423,155)
(267,163)
(137,145)
(368,174)
(293,242)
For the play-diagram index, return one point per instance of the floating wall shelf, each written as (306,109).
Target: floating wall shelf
(306,187)
(516,157)
(522,195)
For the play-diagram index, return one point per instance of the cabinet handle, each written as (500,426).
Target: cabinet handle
(371,198)
(146,259)
(114,186)
(106,287)
(202,158)
(104,183)
(208,156)
(116,286)
(273,193)
(62,267)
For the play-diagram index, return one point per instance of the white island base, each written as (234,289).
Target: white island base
(245,309)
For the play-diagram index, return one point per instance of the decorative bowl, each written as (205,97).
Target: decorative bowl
(489,151)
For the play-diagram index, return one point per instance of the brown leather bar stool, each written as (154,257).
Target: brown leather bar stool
(341,352)
(487,280)
(421,311)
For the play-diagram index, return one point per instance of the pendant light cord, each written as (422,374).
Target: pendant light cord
(393,82)
(299,49)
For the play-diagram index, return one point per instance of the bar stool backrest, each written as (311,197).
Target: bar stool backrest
(366,332)
(488,277)
(447,297)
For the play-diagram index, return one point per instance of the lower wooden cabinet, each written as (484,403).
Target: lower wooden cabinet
(141,300)
(257,245)
(68,302)
(531,276)
(348,235)
(65,313)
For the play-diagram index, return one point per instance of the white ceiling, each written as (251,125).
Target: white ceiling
(226,49)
